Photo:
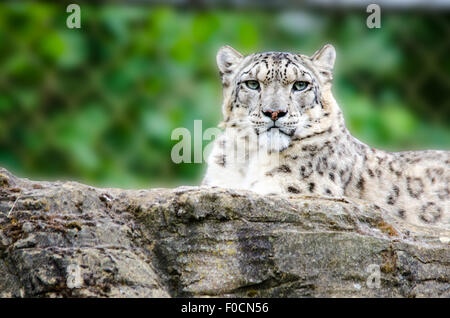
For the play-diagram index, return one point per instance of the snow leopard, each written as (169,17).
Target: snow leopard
(284,133)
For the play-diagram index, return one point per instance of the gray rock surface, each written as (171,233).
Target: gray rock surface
(65,239)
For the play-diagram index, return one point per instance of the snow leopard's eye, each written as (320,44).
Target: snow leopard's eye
(300,85)
(252,84)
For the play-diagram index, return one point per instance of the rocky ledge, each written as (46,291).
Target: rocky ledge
(66,239)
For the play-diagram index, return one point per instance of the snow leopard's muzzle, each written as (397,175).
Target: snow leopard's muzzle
(278,120)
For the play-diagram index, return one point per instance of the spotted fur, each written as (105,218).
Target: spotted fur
(309,150)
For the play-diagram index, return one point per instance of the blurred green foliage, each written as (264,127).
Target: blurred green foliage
(98,104)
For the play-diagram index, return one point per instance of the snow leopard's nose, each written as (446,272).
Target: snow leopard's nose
(274,115)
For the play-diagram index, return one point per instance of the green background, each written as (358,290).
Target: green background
(98,104)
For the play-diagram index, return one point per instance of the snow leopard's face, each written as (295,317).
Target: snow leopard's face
(277,94)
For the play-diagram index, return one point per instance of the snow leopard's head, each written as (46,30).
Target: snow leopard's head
(280,95)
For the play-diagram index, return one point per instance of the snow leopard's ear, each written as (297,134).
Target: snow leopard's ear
(324,62)
(325,57)
(228,60)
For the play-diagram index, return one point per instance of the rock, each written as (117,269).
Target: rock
(65,239)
